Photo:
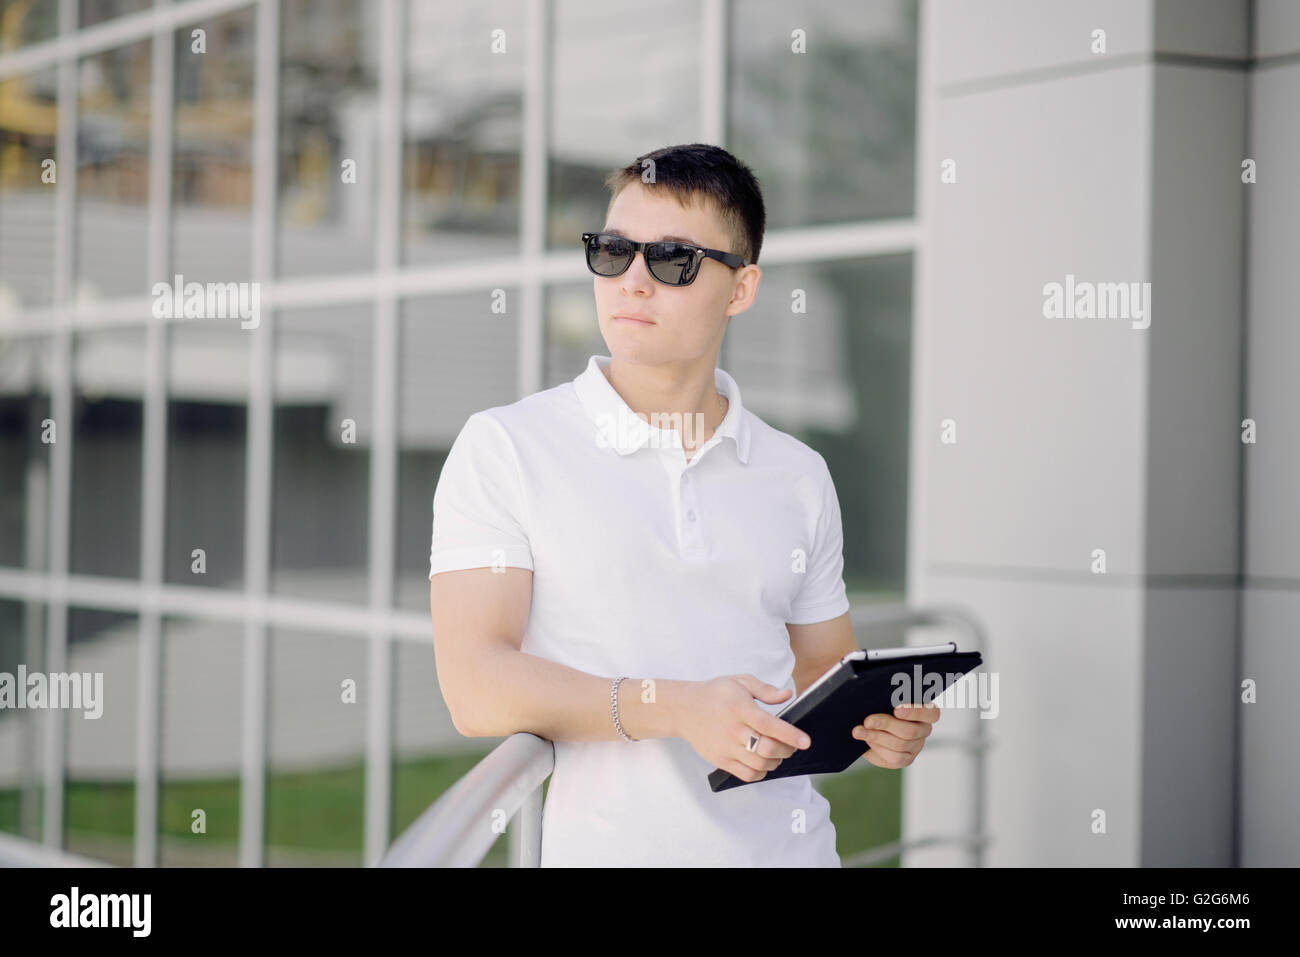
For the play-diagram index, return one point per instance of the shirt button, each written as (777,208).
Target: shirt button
(690,516)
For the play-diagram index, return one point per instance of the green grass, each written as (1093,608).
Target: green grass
(318,815)
(866,808)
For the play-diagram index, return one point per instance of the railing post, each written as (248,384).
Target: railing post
(526,832)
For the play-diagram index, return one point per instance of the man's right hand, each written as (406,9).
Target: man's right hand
(719,717)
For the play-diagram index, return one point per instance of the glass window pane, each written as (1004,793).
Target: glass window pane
(97,11)
(99,806)
(112,224)
(26,431)
(599,124)
(323,432)
(429,754)
(22,23)
(315,788)
(838,378)
(28,131)
(462,129)
(457,357)
(22,731)
(201,741)
(572,332)
(212,172)
(207,438)
(329,115)
(830,133)
(108,417)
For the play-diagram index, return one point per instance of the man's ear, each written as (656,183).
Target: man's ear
(745,289)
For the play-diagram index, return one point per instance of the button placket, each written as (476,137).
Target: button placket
(690,505)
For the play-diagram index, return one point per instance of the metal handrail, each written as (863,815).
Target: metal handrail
(461,826)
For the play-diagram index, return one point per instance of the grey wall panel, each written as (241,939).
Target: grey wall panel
(1277,28)
(1052,186)
(1194,385)
(1002,38)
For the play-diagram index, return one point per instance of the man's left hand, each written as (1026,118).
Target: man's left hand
(895,740)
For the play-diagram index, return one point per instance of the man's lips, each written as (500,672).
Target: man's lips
(633,318)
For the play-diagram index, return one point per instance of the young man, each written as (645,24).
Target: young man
(638,568)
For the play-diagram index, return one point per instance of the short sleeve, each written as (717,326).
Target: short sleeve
(479,515)
(822,596)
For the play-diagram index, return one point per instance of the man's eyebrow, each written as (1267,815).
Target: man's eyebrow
(665,238)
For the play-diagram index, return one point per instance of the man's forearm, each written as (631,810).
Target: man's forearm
(807,671)
(515,691)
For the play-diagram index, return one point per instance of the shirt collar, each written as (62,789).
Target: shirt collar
(606,409)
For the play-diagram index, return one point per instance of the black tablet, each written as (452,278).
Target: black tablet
(862,683)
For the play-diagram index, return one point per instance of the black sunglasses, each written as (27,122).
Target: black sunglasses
(672,263)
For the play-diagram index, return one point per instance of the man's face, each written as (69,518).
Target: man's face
(684,322)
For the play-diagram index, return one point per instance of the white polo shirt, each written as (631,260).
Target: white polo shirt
(650,566)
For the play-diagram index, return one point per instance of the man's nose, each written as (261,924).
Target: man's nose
(638,274)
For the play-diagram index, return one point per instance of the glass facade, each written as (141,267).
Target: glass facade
(237,514)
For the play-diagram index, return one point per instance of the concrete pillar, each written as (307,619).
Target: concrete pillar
(1085,440)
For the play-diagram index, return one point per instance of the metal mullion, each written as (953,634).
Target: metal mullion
(713,91)
(61,411)
(215,604)
(713,72)
(533,147)
(523,830)
(383,445)
(536,267)
(154,465)
(75,44)
(257,518)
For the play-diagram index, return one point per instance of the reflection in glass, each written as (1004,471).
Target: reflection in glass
(315,790)
(429,754)
(22,731)
(329,116)
(99,806)
(572,332)
(599,123)
(25,434)
(112,227)
(838,378)
(200,747)
(462,129)
(108,415)
(207,433)
(212,172)
(457,356)
(831,133)
(97,11)
(323,432)
(27,21)
(28,128)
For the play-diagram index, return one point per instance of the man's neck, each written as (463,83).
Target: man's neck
(672,393)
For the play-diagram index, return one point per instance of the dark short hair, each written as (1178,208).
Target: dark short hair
(691,171)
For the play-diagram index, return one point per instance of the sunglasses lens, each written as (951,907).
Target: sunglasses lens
(608,255)
(673,263)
